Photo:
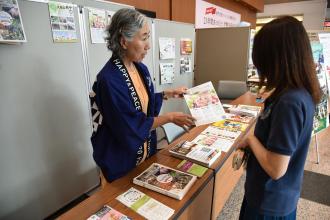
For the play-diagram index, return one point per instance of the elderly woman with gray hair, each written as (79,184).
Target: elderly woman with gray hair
(125,107)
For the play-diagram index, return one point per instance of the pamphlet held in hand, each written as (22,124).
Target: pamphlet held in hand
(204,104)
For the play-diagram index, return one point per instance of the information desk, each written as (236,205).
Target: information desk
(204,200)
(196,204)
(224,175)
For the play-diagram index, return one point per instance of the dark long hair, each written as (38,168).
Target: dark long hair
(283,57)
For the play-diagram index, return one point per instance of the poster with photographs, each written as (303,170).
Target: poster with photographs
(166,48)
(186,46)
(62,22)
(321,119)
(185,65)
(166,73)
(325,41)
(97,23)
(11,25)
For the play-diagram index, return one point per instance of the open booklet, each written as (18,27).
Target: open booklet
(204,104)
(145,205)
(165,180)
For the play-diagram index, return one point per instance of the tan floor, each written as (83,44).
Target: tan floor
(315,197)
(314,203)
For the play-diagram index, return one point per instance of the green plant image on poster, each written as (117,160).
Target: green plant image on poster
(11,26)
(321,120)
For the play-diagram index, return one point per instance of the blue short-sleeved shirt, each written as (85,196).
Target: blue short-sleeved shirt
(284,127)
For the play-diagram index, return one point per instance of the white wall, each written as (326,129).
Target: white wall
(314,12)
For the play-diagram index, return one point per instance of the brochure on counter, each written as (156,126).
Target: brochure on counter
(239,118)
(248,110)
(232,126)
(192,168)
(216,138)
(145,205)
(219,137)
(108,213)
(166,180)
(199,154)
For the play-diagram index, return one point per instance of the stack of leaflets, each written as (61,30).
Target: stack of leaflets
(219,137)
(239,118)
(165,180)
(190,167)
(204,104)
(199,154)
(249,110)
(108,213)
(216,138)
(231,126)
(145,205)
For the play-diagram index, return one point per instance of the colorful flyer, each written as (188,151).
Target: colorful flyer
(321,119)
(204,104)
(325,41)
(11,25)
(232,126)
(217,138)
(97,24)
(185,46)
(62,22)
(108,213)
(192,168)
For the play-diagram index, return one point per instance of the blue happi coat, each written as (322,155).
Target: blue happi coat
(120,127)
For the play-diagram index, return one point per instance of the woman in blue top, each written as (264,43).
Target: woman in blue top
(125,107)
(279,143)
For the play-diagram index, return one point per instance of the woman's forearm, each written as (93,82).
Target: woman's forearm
(168,93)
(274,164)
(160,120)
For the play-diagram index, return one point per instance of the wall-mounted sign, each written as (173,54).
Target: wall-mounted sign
(210,16)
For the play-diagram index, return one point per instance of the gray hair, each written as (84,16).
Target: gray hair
(126,22)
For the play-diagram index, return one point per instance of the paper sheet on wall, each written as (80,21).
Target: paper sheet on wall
(97,23)
(204,104)
(185,65)
(166,73)
(62,22)
(186,46)
(166,48)
(11,25)
(252,70)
